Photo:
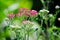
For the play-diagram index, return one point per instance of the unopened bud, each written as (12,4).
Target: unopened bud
(57,6)
(59,19)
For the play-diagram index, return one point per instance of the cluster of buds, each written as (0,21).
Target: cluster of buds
(26,21)
(24,11)
(43,13)
(11,15)
(44,10)
(58,19)
(57,6)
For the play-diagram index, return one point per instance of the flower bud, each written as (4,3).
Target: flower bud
(44,10)
(59,19)
(57,6)
(50,15)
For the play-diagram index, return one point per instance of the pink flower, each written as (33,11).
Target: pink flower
(24,11)
(33,12)
(27,13)
(26,21)
(11,15)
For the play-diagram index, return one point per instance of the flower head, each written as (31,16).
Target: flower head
(24,11)
(44,10)
(27,13)
(25,21)
(58,19)
(33,12)
(57,7)
(11,15)
(50,15)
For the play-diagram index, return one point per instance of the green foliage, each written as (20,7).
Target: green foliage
(2,16)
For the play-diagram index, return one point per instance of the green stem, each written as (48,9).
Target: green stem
(28,36)
(47,1)
(43,3)
(37,33)
(55,16)
(47,33)
(41,22)
(24,38)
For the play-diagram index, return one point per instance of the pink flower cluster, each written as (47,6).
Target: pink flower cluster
(24,11)
(26,21)
(33,12)
(11,15)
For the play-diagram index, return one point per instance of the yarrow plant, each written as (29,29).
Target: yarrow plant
(22,14)
(25,24)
